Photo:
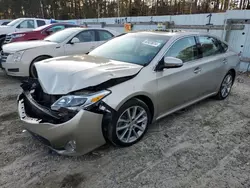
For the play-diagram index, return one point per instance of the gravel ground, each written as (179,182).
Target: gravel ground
(205,145)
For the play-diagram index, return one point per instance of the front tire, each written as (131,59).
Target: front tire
(226,86)
(130,123)
(32,71)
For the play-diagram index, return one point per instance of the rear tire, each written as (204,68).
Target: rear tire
(226,86)
(129,124)
(32,71)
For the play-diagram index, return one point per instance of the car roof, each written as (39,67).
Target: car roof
(168,33)
(32,18)
(59,23)
(88,28)
(176,34)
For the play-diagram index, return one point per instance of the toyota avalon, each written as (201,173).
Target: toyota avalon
(116,91)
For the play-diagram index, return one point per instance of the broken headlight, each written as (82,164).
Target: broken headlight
(76,102)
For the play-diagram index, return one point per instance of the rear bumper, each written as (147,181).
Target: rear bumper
(85,129)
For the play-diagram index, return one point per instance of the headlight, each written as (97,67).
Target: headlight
(18,56)
(76,102)
(17,36)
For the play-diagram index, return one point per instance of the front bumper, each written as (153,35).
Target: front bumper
(85,129)
(20,69)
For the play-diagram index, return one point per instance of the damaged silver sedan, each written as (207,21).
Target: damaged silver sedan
(113,93)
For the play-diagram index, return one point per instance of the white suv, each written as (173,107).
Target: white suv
(21,24)
(18,58)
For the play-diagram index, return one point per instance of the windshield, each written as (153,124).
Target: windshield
(62,35)
(14,22)
(136,48)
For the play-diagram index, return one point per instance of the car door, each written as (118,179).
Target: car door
(178,87)
(103,36)
(26,25)
(214,62)
(87,42)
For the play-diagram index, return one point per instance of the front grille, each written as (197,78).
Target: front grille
(4,57)
(8,39)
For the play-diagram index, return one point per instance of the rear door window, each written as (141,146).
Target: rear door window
(224,47)
(40,23)
(184,49)
(86,36)
(104,35)
(210,46)
(56,28)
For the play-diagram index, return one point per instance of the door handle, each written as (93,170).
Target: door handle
(197,70)
(224,61)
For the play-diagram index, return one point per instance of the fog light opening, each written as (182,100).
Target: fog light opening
(71,146)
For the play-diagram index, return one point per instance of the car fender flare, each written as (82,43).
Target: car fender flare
(141,96)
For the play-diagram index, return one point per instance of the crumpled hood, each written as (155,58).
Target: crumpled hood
(19,46)
(63,75)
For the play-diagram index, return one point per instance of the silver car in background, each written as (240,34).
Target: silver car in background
(116,91)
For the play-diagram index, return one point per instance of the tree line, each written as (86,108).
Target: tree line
(76,9)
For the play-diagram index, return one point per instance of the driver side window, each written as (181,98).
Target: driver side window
(86,36)
(27,24)
(184,49)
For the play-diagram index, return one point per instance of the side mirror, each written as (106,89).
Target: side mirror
(172,62)
(74,40)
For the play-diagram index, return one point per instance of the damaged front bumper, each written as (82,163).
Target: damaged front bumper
(76,136)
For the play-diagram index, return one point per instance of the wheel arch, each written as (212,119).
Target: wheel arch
(144,98)
(148,102)
(233,71)
(48,56)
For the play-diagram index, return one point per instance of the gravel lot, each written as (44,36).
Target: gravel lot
(205,145)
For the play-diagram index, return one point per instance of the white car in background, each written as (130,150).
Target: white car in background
(20,25)
(17,59)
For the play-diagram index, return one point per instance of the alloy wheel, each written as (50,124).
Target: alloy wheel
(131,124)
(226,85)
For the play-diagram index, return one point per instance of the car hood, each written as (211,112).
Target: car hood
(63,75)
(4,29)
(19,46)
(4,26)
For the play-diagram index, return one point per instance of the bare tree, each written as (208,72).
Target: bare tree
(69,9)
